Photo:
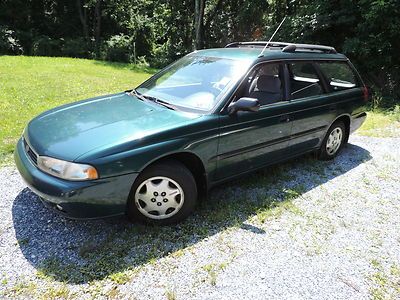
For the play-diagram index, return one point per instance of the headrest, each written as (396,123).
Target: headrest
(269,83)
(269,69)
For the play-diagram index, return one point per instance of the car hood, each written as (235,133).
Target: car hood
(72,130)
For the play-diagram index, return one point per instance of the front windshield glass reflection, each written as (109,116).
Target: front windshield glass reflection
(195,82)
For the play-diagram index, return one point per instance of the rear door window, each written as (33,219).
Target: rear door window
(304,80)
(340,76)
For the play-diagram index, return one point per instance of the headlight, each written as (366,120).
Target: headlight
(66,170)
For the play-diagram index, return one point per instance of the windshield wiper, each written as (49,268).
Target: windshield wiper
(138,95)
(163,103)
(154,99)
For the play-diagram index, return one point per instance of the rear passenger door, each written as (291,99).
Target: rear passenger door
(313,109)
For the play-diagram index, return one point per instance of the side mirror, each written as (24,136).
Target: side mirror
(244,104)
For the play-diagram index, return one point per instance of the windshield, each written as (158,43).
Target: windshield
(194,83)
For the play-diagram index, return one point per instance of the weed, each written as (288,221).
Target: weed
(171,295)
(121,277)
(61,292)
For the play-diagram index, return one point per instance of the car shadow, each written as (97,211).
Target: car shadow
(81,251)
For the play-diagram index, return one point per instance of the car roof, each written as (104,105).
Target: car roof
(253,54)
(229,53)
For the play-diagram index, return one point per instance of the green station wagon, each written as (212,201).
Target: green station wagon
(211,116)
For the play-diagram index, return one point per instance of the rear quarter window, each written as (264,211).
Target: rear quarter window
(340,75)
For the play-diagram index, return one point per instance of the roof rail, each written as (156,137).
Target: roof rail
(286,47)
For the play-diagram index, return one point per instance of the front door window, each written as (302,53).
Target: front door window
(266,84)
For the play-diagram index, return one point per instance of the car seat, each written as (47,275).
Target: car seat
(267,89)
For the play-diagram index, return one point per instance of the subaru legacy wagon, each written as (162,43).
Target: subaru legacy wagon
(211,116)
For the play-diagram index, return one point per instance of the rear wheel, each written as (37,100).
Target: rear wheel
(164,193)
(333,141)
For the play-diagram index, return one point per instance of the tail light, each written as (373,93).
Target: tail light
(365,91)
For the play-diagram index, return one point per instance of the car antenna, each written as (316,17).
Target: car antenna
(266,45)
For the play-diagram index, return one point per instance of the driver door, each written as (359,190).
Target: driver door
(249,140)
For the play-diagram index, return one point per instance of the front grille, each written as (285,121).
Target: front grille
(32,155)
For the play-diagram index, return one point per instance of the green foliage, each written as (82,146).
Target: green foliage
(46,46)
(9,44)
(366,30)
(118,48)
(75,47)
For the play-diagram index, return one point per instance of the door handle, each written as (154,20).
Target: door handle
(284,119)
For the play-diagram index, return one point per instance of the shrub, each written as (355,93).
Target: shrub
(118,48)
(46,46)
(160,58)
(9,44)
(75,48)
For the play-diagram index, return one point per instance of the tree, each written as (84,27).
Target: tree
(163,30)
(82,12)
(199,23)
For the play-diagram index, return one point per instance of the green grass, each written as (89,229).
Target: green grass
(31,85)
(380,123)
(386,284)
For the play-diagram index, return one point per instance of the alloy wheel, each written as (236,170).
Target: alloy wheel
(159,197)
(334,141)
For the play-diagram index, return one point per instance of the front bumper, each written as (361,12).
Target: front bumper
(76,199)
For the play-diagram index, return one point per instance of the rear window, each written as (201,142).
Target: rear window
(340,75)
(304,80)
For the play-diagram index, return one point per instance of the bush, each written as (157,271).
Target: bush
(118,48)
(46,46)
(75,48)
(9,44)
(160,57)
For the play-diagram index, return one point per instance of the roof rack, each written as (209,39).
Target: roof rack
(286,47)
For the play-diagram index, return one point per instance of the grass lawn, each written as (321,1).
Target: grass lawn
(31,85)
(382,123)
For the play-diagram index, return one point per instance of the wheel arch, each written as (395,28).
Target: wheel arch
(190,161)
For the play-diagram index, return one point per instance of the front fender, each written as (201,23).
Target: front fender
(135,160)
(199,138)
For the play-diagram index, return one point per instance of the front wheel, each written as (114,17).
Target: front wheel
(164,193)
(333,141)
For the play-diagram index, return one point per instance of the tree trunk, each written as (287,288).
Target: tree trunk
(199,23)
(83,19)
(97,29)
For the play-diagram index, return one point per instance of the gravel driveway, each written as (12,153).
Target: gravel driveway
(301,230)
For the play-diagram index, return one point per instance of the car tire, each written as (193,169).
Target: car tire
(333,142)
(164,193)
